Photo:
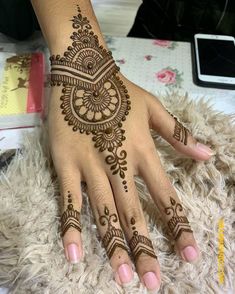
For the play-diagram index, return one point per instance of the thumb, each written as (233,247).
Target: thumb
(174,132)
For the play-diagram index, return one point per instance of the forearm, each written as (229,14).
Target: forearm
(55,16)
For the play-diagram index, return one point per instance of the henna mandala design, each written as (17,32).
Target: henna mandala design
(177,224)
(180,132)
(94,99)
(113,238)
(70,218)
(140,244)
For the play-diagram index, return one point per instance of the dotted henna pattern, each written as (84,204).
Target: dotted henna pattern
(94,99)
(140,244)
(70,217)
(177,224)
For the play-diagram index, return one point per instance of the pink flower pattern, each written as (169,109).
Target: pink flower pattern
(165,43)
(148,57)
(162,43)
(166,76)
(121,61)
(170,77)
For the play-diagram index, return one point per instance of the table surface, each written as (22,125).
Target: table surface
(157,66)
(162,66)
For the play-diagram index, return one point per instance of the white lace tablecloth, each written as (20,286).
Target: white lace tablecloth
(159,66)
(156,65)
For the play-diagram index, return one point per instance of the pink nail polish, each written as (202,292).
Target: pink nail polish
(73,253)
(205,149)
(189,253)
(151,281)
(125,273)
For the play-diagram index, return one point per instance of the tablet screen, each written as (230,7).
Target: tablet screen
(217,57)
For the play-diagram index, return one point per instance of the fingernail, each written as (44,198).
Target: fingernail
(151,281)
(73,253)
(205,149)
(125,273)
(189,253)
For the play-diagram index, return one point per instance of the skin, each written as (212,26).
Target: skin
(116,210)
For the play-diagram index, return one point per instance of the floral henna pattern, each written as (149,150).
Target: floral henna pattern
(113,237)
(140,244)
(94,99)
(70,218)
(177,224)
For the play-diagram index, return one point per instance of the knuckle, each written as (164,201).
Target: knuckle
(149,155)
(175,143)
(129,213)
(120,253)
(146,148)
(98,191)
(65,178)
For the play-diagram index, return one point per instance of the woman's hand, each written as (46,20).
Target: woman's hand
(107,161)
(99,134)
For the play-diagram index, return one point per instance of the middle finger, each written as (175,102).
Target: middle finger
(105,213)
(135,228)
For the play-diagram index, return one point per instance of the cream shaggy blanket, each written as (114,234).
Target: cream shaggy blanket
(31,252)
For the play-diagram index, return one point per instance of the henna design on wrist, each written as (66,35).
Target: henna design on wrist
(113,237)
(140,244)
(177,224)
(70,217)
(94,99)
(180,132)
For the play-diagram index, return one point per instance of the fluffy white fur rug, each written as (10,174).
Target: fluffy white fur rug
(31,252)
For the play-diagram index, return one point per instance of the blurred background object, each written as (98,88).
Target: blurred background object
(116,17)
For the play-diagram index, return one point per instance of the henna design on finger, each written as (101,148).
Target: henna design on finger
(70,217)
(140,244)
(177,224)
(113,237)
(180,132)
(94,99)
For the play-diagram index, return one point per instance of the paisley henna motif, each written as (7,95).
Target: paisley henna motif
(94,99)
(113,237)
(177,224)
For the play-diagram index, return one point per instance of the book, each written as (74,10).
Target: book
(21,89)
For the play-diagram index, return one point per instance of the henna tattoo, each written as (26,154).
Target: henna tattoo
(70,217)
(114,237)
(94,99)
(180,132)
(177,224)
(140,244)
